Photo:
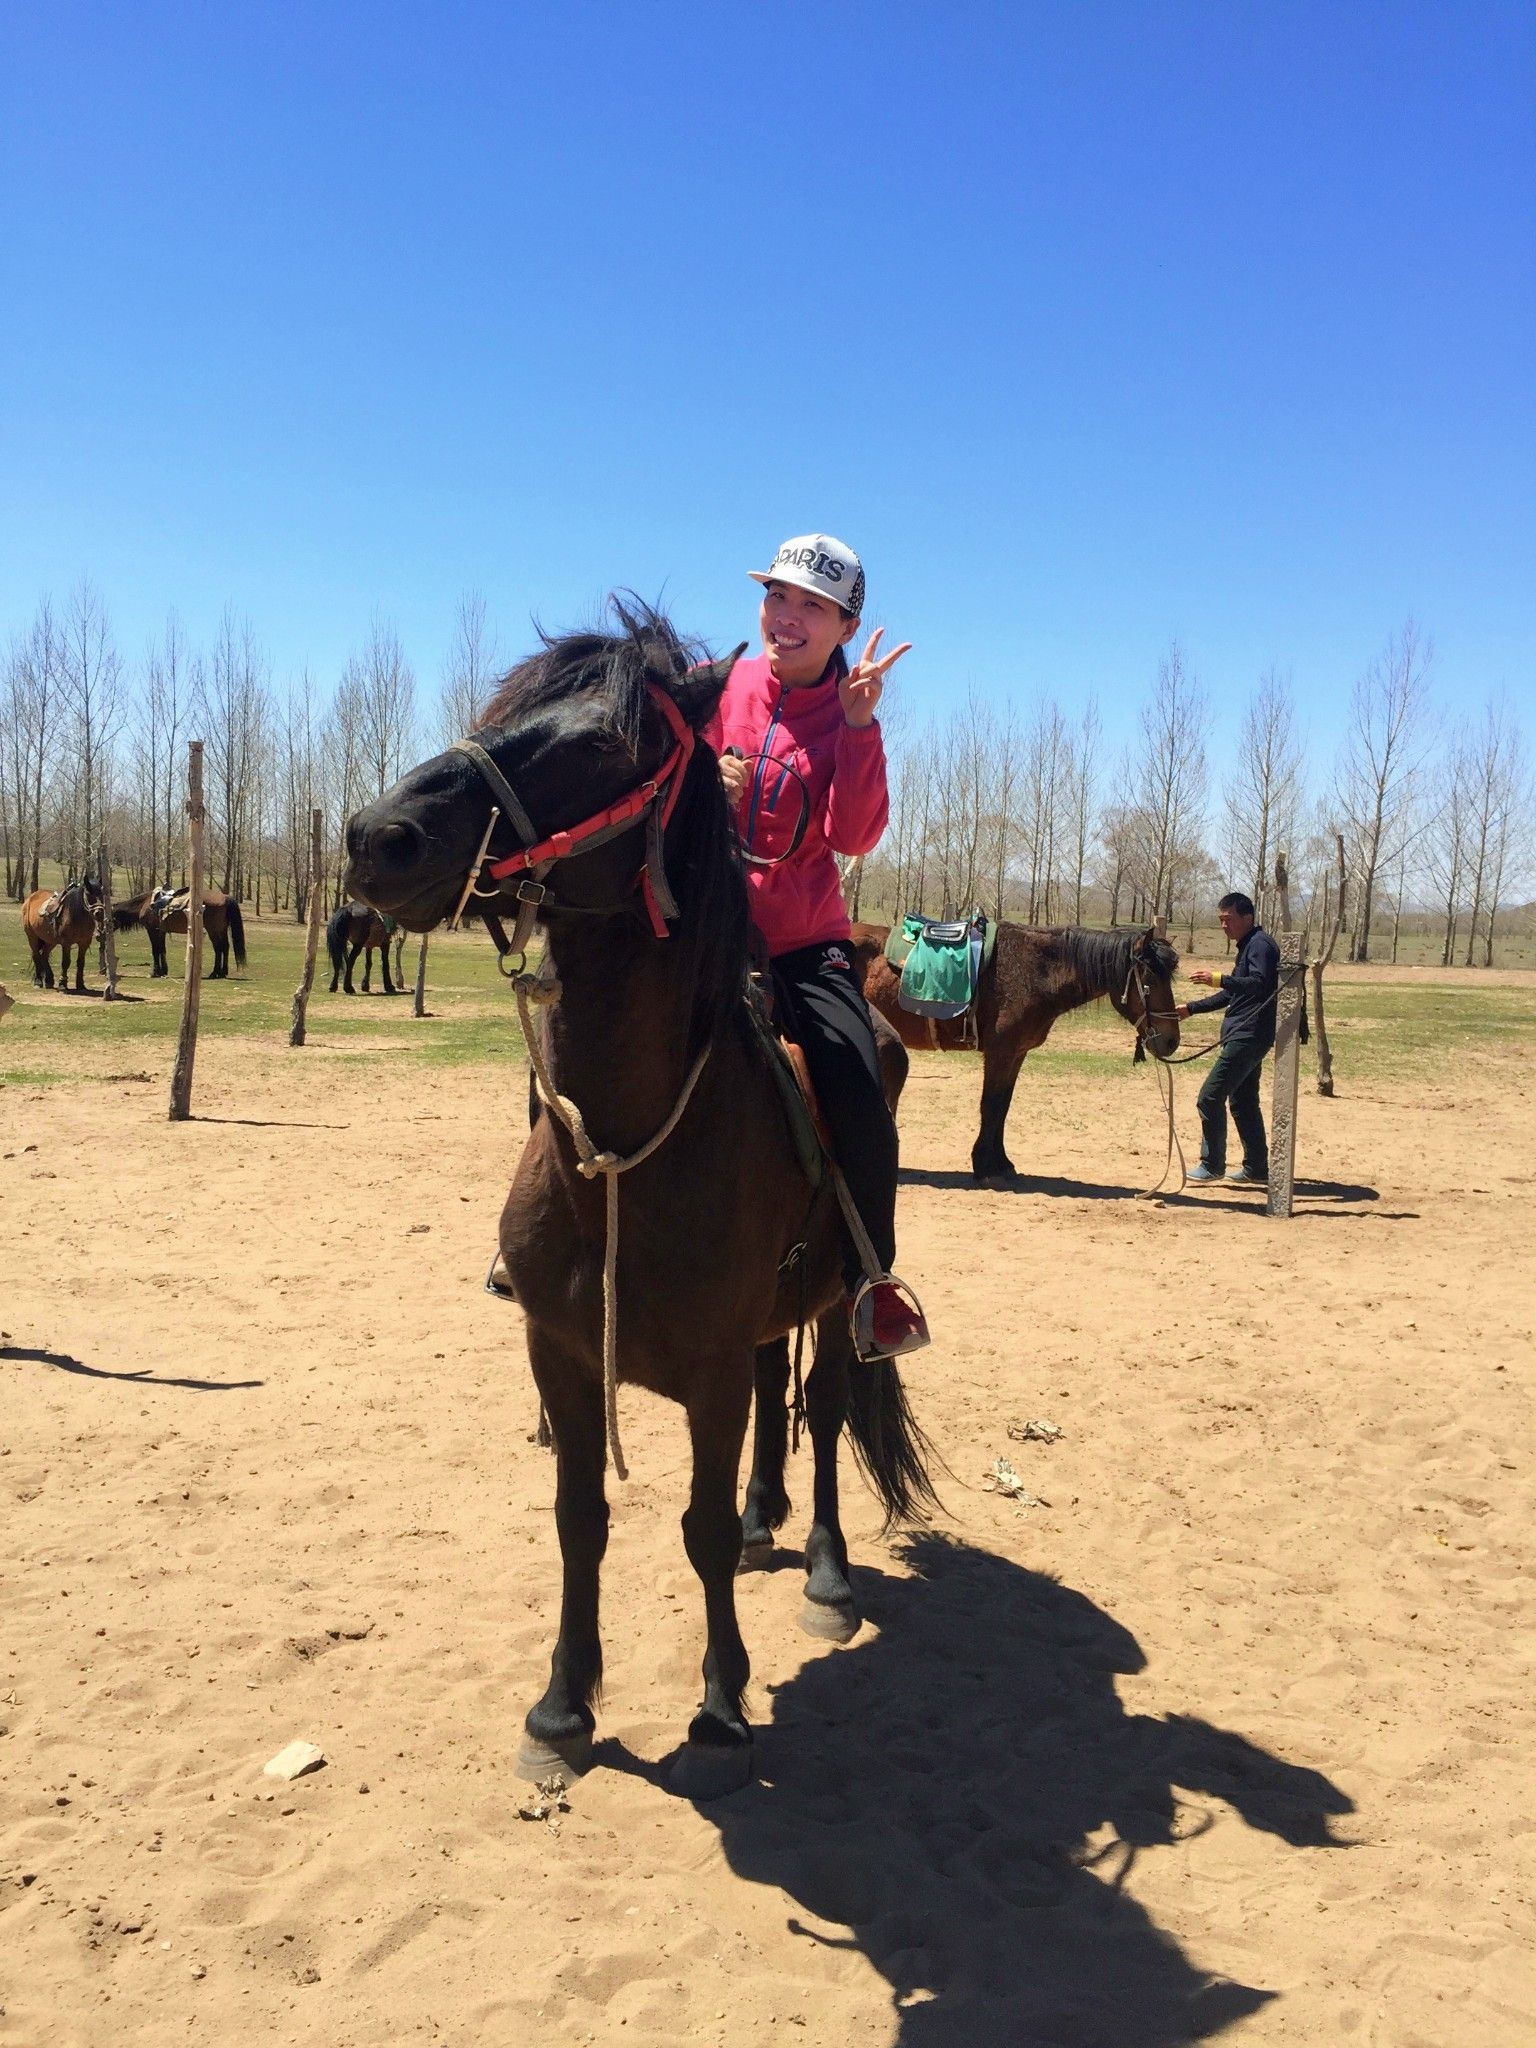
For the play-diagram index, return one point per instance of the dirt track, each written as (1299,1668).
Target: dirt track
(1235,1730)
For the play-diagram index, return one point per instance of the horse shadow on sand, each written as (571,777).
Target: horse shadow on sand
(965,1791)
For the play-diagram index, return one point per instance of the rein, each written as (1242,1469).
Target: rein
(1135,973)
(654,800)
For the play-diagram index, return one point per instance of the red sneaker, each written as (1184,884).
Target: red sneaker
(887,1321)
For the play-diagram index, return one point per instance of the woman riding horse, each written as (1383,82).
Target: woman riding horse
(719,1244)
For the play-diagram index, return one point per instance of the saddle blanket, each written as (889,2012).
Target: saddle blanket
(940,963)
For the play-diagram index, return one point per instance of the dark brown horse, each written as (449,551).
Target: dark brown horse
(64,918)
(724,1244)
(357,928)
(164,911)
(1035,975)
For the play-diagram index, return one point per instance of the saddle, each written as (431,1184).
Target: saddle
(940,962)
(163,899)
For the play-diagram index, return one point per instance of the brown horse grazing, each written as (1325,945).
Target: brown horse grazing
(724,1245)
(1035,975)
(161,912)
(356,928)
(64,918)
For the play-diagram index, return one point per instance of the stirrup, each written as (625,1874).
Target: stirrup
(504,1291)
(861,1315)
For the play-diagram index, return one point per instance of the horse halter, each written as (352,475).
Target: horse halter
(654,800)
(1136,974)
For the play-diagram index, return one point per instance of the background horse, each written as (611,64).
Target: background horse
(1035,975)
(64,918)
(223,926)
(358,928)
(725,1244)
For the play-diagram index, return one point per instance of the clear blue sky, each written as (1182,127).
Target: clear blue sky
(1088,324)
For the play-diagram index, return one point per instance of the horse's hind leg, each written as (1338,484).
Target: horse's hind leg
(352,953)
(559,1729)
(390,987)
(767,1504)
(718,1755)
(828,1610)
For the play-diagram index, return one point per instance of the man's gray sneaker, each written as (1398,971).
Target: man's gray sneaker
(1242,1178)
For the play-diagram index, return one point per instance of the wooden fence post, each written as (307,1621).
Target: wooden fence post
(1282,1123)
(312,930)
(192,987)
(108,936)
(419,1006)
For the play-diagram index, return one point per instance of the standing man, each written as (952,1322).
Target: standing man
(1247,995)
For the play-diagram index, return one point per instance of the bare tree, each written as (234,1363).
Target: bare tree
(1380,766)
(386,701)
(28,742)
(90,675)
(1264,792)
(1082,797)
(470,671)
(1170,784)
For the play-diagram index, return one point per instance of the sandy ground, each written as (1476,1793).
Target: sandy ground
(1233,1734)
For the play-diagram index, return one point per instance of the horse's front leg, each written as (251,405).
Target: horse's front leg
(717,1757)
(391,988)
(1000,1072)
(767,1504)
(558,1731)
(828,1610)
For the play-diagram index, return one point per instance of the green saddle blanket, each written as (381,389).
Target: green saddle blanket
(940,962)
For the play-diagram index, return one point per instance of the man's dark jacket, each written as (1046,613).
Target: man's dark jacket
(1247,994)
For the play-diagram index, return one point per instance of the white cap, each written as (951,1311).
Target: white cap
(815,561)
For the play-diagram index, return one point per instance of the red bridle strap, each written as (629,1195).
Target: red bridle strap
(622,812)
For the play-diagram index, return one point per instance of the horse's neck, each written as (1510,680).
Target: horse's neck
(1074,984)
(618,1038)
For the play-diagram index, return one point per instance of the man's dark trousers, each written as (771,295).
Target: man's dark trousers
(1234,1078)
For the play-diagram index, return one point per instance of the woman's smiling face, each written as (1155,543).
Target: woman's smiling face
(800,631)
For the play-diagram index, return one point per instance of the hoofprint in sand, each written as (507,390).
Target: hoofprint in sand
(1221,1718)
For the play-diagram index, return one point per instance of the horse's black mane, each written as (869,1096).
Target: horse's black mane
(617,670)
(1102,960)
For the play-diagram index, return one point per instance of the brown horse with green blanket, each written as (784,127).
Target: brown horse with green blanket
(1034,975)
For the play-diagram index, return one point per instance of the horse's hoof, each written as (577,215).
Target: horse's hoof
(756,1557)
(711,1770)
(830,1622)
(538,1760)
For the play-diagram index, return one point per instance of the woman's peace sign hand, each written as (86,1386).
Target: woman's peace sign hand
(859,691)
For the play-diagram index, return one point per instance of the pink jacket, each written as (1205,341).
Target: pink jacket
(842,770)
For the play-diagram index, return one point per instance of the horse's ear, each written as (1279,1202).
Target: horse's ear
(699,691)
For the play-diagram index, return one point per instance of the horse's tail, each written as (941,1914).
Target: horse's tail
(236,929)
(892,1451)
(335,937)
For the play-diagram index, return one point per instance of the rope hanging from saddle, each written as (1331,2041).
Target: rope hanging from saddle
(541,990)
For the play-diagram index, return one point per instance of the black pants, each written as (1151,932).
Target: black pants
(1234,1079)
(820,1003)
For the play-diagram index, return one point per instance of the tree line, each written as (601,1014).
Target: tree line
(1030,812)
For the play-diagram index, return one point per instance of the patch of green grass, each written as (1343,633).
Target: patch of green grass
(1379,1029)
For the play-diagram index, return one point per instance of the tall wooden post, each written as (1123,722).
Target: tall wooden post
(312,929)
(192,987)
(1282,1122)
(108,935)
(419,1006)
